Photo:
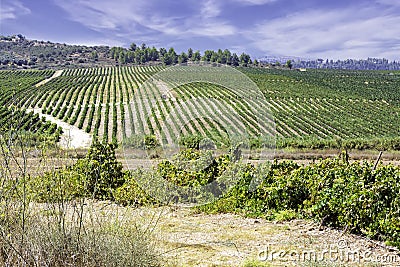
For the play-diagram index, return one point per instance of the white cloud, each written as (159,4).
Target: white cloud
(12,9)
(210,9)
(213,29)
(349,33)
(141,16)
(393,3)
(100,15)
(255,2)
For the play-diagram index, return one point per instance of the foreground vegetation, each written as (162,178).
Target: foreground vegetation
(51,219)
(64,228)
(355,196)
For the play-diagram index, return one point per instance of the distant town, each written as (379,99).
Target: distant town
(349,64)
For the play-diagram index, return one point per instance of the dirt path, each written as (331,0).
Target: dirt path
(55,75)
(73,137)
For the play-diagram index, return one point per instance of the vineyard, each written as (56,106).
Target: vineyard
(13,116)
(332,104)
(119,103)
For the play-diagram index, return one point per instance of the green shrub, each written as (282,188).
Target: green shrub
(144,142)
(57,186)
(359,199)
(97,175)
(130,192)
(193,168)
(190,141)
(103,173)
(333,191)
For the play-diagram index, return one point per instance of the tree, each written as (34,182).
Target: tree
(153,54)
(121,57)
(133,47)
(94,55)
(130,56)
(220,57)
(163,51)
(196,56)
(235,60)
(214,57)
(190,53)
(173,55)
(138,56)
(183,58)
(103,173)
(170,57)
(245,59)
(289,64)
(228,57)
(207,55)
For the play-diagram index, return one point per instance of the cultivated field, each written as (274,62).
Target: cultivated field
(315,109)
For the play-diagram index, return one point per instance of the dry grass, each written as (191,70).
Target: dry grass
(65,233)
(76,234)
(230,240)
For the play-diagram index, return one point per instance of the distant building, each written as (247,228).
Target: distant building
(301,69)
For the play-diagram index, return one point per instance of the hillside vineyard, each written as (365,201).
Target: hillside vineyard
(112,104)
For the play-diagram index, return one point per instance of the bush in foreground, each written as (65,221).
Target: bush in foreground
(333,191)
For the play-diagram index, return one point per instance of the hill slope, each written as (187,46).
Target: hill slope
(320,107)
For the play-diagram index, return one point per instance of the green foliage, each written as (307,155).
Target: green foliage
(130,192)
(190,141)
(284,215)
(103,171)
(333,191)
(151,142)
(289,64)
(146,142)
(193,168)
(57,186)
(355,197)
(97,175)
(255,263)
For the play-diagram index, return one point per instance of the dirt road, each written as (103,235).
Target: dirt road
(73,137)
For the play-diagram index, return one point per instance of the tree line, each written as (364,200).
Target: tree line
(143,54)
(17,51)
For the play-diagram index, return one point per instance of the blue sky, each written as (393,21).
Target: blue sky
(337,29)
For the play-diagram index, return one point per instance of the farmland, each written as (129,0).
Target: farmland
(14,85)
(313,109)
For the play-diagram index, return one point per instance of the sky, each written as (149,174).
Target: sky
(338,29)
